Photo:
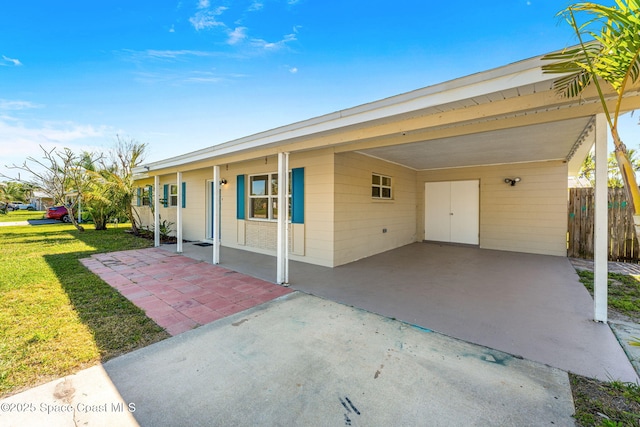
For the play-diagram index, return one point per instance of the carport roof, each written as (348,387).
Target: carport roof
(505,115)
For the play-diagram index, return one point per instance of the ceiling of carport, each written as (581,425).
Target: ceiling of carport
(540,142)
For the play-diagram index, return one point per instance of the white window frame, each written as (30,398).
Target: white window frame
(173,196)
(383,188)
(272,199)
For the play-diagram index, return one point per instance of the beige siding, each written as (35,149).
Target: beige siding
(360,219)
(343,223)
(313,240)
(530,217)
(144,212)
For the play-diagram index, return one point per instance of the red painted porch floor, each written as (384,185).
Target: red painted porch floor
(177,292)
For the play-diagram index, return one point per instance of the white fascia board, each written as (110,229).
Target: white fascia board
(511,76)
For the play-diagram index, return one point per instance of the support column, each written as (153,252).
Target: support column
(156,211)
(179,212)
(216,215)
(601,229)
(282,270)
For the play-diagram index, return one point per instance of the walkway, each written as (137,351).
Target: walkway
(177,292)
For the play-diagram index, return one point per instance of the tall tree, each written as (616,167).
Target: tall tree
(61,174)
(13,191)
(610,63)
(127,155)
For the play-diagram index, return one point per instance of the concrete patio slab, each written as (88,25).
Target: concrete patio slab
(526,305)
(303,360)
(87,398)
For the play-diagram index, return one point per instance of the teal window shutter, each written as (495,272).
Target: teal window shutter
(240,189)
(184,194)
(297,196)
(165,202)
(150,187)
(139,198)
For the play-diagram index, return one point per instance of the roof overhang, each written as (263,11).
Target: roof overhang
(506,115)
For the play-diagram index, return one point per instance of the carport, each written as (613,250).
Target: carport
(527,305)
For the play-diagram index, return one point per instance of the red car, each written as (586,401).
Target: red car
(58,212)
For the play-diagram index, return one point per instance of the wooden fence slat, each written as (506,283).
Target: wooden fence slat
(623,244)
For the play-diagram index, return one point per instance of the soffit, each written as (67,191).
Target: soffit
(539,142)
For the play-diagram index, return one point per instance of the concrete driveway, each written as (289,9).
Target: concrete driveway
(29,222)
(304,360)
(528,305)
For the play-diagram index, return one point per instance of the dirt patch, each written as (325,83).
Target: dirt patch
(149,235)
(605,404)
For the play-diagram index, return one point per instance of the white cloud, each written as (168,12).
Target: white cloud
(293,70)
(205,19)
(255,6)
(172,29)
(174,54)
(181,78)
(6,104)
(10,61)
(19,140)
(203,4)
(237,35)
(204,77)
(273,45)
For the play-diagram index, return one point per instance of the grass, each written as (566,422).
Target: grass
(21,216)
(57,317)
(624,293)
(610,404)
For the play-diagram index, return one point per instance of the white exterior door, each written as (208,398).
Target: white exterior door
(452,211)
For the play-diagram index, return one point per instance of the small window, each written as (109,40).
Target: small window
(380,186)
(259,200)
(263,196)
(173,195)
(144,194)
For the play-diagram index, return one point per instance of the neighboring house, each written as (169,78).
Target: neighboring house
(433,164)
(41,200)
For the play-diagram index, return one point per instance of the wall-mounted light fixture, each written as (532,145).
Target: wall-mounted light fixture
(512,181)
(223,181)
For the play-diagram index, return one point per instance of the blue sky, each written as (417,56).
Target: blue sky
(184,75)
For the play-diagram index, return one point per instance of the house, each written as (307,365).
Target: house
(481,160)
(41,200)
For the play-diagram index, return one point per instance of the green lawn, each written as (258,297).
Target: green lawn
(57,317)
(21,216)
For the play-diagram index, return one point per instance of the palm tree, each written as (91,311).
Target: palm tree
(13,191)
(588,168)
(128,155)
(611,62)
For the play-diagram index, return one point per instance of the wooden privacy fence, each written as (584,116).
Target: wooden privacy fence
(623,244)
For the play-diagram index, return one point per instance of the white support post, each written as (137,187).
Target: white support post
(282,270)
(601,230)
(156,211)
(179,212)
(216,215)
